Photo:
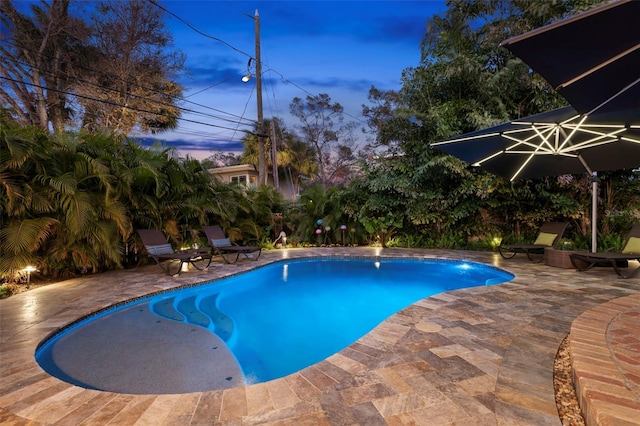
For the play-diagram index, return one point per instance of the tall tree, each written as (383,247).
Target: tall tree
(40,57)
(221,159)
(134,87)
(324,128)
(299,162)
(118,69)
(295,159)
(463,82)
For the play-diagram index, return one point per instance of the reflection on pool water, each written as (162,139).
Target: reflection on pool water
(285,316)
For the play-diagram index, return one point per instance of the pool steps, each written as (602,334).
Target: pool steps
(195,310)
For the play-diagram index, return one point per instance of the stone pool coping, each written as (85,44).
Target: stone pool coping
(475,356)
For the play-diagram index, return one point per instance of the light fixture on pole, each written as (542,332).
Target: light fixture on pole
(247,77)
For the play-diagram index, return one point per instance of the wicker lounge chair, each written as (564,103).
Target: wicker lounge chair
(159,249)
(226,249)
(630,251)
(549,235)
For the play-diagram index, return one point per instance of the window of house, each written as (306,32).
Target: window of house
(242,179)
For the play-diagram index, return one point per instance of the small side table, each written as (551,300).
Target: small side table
(559,258)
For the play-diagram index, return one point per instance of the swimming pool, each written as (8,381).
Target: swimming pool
(271,322)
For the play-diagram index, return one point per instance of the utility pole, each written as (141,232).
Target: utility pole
(262,169)
(274,154)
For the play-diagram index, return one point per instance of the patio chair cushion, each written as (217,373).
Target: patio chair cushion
(633,245)
(222,242)
(160,249)
(545,239)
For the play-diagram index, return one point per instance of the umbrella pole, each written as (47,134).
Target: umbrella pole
(594,213)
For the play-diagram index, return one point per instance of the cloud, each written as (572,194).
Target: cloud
(219,72)
(381,21)
(401,29)
(337,83)
(196,147)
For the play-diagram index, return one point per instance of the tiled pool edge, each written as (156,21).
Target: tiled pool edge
(606,362)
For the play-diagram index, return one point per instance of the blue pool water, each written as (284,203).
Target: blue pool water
(288,315)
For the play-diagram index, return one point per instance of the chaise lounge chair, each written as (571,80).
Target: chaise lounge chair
(549,235)
(159,249)
(630,251)
(227,250)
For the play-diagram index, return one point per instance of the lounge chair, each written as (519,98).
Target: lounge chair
(159,249)
(549,235)
(630,251)
(226,249)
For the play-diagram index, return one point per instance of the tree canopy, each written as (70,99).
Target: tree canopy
(114,70)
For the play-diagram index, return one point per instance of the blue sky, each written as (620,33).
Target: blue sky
(341,48)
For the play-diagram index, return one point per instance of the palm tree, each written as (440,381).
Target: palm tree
(70,221)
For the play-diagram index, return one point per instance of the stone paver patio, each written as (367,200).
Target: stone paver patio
(479,356)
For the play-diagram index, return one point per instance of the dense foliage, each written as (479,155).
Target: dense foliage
(70,202)
(463,83)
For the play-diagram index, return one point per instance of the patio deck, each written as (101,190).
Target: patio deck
(478,356)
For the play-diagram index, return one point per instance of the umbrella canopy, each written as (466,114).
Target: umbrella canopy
(552,143)
(592,59)
(549,144)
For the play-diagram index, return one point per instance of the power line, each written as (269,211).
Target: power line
(113,103)
(199,31)
(99,73)
(283,78)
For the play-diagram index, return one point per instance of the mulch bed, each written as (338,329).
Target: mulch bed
(566,399)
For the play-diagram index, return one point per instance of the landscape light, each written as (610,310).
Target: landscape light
(28,270)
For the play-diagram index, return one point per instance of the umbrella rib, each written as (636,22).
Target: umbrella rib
(479,162)
(590,144)
(545,139)
(488,135)
(521,168)
(568,138)
(560,154)
(624,89)
(526,141)
(595,141)
(628,139)
(597,67)
(533,123)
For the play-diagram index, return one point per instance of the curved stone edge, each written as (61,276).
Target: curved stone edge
(600,385)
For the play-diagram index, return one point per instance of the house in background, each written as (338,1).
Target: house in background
(247,174)
(244,174)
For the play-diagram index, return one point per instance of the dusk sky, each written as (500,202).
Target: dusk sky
(341,48)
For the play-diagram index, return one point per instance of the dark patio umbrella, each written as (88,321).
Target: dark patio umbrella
(549,144)
(592,59)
